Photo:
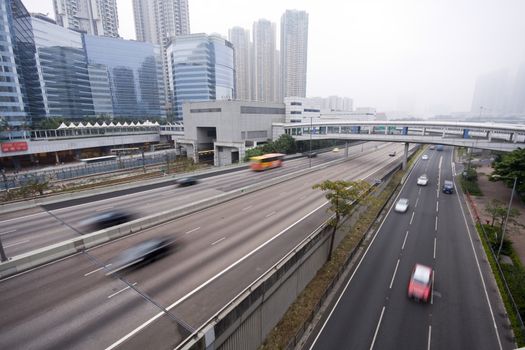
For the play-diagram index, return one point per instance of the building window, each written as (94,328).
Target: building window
(296,112)
(206,110)
(312,110)
(296,104)
(261,110)
(262,134)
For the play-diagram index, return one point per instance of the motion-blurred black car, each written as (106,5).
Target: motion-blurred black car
(108,219)
(141,253)
(187,181)
(448,187)
(310,154)
(392,154)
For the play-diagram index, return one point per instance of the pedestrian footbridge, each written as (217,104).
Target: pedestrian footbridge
(490,136)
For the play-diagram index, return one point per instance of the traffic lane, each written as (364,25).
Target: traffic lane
(69,220)
(355,318)
(200,306)
(52,307)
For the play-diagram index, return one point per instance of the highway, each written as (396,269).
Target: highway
(465,312)
(71,303)
(45,225)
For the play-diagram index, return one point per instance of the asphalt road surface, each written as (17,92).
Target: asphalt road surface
(374,312)
(219,251)
(37,228)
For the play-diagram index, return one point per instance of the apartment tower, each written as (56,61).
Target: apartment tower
(95,17)
(240,39)
(264,62)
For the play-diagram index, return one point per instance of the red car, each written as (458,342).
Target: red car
(420,285)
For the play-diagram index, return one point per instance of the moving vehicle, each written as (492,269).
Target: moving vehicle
(336,149)
(108,219)
(439,148)
(424,157)
(401,205)
(392,154)
(187,181)
(420,285)
(142,252)
(310,154)
(266,161)
(432,147)
(448,187)
(422,180)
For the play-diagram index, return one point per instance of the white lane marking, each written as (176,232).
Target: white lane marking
(404,241)
(6,232)
(412,218)
(437,207)
(479,267)
(235,263)
(394,275)
(432,292)
(22,217)
(436,224)
(96,270)
(217,241)
(419,191)
(429,336)
(246,208)
(16,243)
(120,291)
(377,328)
(272,213)
(193,230)
(105,208)
(417,201)
(435,242)
(359,263)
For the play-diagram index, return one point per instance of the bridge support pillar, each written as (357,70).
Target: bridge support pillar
(370,128)
(489,136)
(423,131)
(405,156)
(443,133)
(57,160)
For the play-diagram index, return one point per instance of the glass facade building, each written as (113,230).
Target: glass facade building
(128,73)
(13,24)
(201,68)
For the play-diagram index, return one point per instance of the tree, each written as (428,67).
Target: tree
(341,195)
(496,209)
(508,167)
(286,144)
(3,124)
(48,124)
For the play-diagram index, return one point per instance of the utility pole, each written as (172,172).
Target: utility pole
(3,257)
(310,153)
(507,218)
(143,162)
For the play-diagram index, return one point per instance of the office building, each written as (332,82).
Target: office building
(294,52)
(200,68)
(126,77)
(301,109)
(15,30)
(240,39)
(95,17)
(159,22)
(264,62)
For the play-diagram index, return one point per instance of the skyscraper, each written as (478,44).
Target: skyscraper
(264,62)
(201,69)
(13,98)
(294,50)
(240,39)
(159,22)
(95,17)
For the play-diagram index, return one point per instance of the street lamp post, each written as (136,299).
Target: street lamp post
(507,218)
(310,153)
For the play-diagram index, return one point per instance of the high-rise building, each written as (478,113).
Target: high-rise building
(294,50)
(240,39)
(201,68)
(95,17)
(159,22)
(15,30)
(264,62)
(126,77)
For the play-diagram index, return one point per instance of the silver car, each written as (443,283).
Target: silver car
(422,180)
(401,205)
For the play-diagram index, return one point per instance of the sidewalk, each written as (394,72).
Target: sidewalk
(498,190)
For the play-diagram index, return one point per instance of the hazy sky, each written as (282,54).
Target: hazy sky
(415,55)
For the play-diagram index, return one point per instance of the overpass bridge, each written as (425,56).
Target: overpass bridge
(490,136)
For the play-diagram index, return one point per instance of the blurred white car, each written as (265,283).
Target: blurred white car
(422,180)
(424,157)
(401,205)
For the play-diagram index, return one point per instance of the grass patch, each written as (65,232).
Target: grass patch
(307,302)
(515,276)
(470,186)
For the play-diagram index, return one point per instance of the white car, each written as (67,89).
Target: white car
(424,157)
(422,180)
(401,205)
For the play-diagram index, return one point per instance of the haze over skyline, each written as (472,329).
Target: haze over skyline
(422,57)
